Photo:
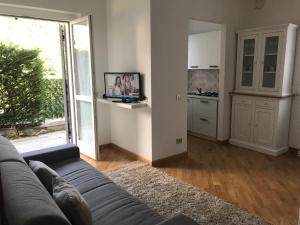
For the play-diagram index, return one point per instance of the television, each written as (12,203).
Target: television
(124,86)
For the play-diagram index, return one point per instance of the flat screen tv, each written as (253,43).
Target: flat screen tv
(125,86)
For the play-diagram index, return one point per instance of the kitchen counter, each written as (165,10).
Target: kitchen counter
(203,97)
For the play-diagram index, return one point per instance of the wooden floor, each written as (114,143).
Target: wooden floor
(263,185)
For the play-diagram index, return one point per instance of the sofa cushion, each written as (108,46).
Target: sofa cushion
(80,174)
(44,173)
(109,203)
(8,152)
(71,202)
(53,154)
(179,220)
(25,199)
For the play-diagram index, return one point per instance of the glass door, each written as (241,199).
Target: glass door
(269,71)
(83,82)
(248,57)
(66,82)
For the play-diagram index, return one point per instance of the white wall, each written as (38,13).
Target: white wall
(281,12)
(129,50)
(169,31)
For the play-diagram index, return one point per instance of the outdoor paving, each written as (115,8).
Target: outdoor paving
(39,142)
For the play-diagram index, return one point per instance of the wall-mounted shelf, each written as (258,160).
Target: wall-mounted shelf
(136,105)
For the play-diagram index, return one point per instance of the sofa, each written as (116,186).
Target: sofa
(25,201)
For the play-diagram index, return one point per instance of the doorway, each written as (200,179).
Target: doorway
(54,77)
(206,65)
(34,103)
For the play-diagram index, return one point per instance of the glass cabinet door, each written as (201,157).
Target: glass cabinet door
(269,69)
(248,57)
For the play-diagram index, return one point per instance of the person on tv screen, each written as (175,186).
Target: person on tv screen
(135,84)
(127,84)
(118,88)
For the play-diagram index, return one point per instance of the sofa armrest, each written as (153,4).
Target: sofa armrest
(179,220)
(54,154)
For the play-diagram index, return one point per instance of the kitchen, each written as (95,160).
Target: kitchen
(204,63)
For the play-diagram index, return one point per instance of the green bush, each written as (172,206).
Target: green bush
(54,99)
(21,87)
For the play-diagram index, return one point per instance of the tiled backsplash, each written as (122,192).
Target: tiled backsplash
(207,80)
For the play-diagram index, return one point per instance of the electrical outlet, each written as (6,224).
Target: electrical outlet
(178,141)
(178,97)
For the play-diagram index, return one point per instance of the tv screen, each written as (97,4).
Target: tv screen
(122,85)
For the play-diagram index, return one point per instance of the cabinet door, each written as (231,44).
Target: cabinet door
(190,114)
(242,121)
(205,117)
(204,50)
(264,126)
(247,62)
(270,69)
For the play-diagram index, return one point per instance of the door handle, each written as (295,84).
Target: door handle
(205,120)
(194,67)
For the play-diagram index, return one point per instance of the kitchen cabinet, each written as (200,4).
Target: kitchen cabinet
(242,126)
(265,60)
(261,124)
(202,116)
(262,97)
(204,50)
(264,123)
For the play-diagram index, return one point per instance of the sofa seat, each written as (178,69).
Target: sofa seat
(24,199)
(109,203)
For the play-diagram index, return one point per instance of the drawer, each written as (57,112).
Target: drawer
(207,108)
(244,101)
(205,126)
(265,104)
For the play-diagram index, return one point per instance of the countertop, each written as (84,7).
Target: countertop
(203,97)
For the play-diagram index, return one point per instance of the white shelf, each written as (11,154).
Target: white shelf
(135,105)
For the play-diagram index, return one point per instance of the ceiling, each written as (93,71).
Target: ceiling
(197,27)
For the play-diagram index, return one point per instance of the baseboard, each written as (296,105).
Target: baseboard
(296,150)
(224,142)
(257,148)
(123,150)
(160,162)
(101,147)
(202,136)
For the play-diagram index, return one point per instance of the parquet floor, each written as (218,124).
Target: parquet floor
(266,186)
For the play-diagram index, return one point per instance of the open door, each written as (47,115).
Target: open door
(83,86)
(66,82)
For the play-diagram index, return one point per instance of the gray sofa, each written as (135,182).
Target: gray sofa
(25,201)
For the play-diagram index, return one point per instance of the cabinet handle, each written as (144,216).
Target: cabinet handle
(194,67)
(205,120)
(204,101)
(213,66)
